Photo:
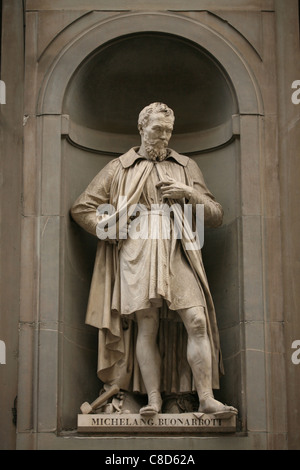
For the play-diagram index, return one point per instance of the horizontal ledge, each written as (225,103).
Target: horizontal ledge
(116,144)
(118,5)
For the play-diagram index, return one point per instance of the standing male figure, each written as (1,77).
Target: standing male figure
(151,281)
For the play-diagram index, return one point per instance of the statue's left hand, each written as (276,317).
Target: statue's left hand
(173,189)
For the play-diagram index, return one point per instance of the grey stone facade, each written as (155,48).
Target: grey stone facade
(70,74)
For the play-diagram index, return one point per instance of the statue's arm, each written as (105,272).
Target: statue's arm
(84,210)
(200,194)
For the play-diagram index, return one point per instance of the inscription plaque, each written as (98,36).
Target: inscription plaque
(170,423)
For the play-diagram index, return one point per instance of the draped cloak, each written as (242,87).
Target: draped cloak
(126,176)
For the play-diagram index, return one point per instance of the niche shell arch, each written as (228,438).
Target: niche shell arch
(109,89)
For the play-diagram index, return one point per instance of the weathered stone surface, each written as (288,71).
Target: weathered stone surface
(12,71)
(258,303)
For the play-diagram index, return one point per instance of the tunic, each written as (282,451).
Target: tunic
(155,267)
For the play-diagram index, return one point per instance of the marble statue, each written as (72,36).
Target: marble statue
(149,296)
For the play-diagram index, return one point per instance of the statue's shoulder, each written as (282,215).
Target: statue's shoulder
(192,167)
(108,171)
(115,162)
(179,158)
(191,163)
(112,165)
(128,158)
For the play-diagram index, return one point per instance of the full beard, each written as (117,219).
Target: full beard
(156,152)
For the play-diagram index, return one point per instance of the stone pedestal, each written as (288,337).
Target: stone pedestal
(159,424)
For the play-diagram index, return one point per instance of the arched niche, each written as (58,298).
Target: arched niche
(108,90)
(73,104)
(102,102)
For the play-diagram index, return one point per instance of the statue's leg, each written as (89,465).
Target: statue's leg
(199,358)
(149,358)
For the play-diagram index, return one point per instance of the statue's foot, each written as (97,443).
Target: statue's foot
(154,405)
(209,405)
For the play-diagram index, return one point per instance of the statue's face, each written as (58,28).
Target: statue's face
(157,132)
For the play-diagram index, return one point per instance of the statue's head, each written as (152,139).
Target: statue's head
(155,125)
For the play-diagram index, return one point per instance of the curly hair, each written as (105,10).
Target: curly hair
(153,108)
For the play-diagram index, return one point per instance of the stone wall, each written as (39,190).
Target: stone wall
(245,141)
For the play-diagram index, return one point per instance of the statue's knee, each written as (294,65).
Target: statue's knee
(148,323)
